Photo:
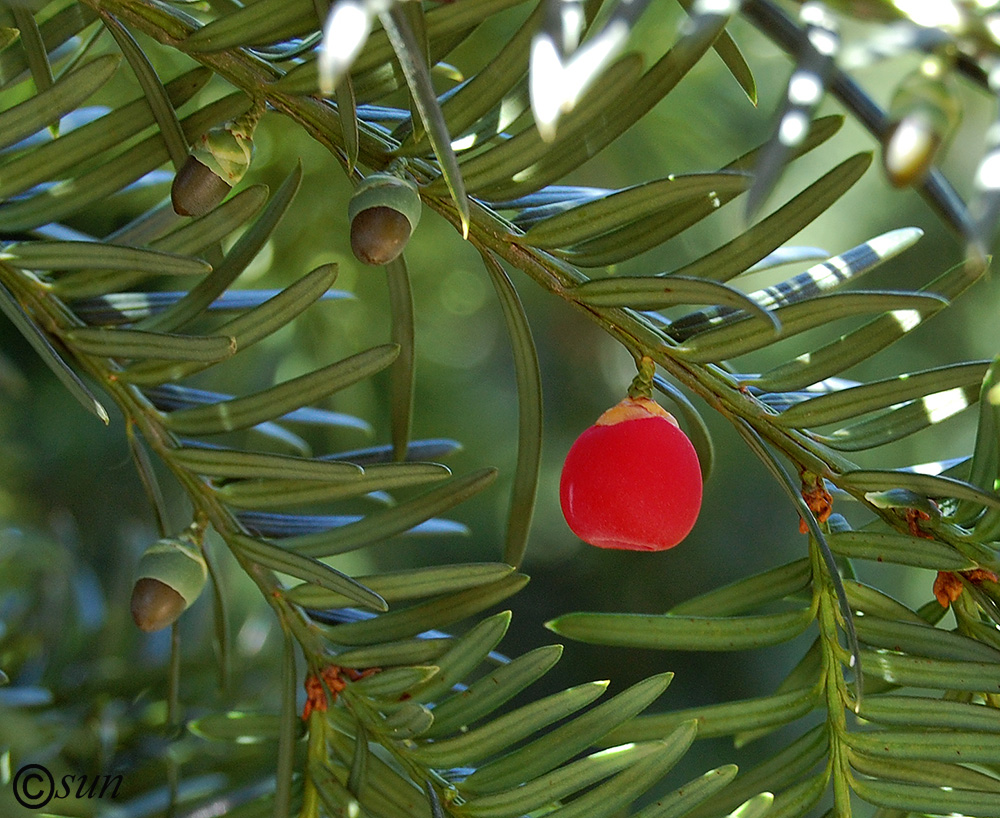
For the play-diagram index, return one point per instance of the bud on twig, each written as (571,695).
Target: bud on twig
(217,162)
(169,578)
(384,211)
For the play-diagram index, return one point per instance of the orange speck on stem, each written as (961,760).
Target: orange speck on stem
(819,500)
(913,518)
(330,678)
(315,696)
(948,584)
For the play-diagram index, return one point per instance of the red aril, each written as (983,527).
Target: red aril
(632,480)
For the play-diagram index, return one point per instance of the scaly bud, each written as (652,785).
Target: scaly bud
(218,161)
(384,211)
(924,112)
(168,579)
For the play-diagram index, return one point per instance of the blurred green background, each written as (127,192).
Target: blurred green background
(69,496)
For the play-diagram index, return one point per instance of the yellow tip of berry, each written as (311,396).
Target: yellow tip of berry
(634,409)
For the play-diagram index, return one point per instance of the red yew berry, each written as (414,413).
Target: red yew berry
(632,480)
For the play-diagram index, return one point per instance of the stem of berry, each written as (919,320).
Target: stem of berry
(642,383)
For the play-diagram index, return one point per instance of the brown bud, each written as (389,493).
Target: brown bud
(379,234)
(155,605)
(383,212)
(196,189)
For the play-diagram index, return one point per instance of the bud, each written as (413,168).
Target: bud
(169,577)
(218,161)
(196,189)
(923,114)
(384,211)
